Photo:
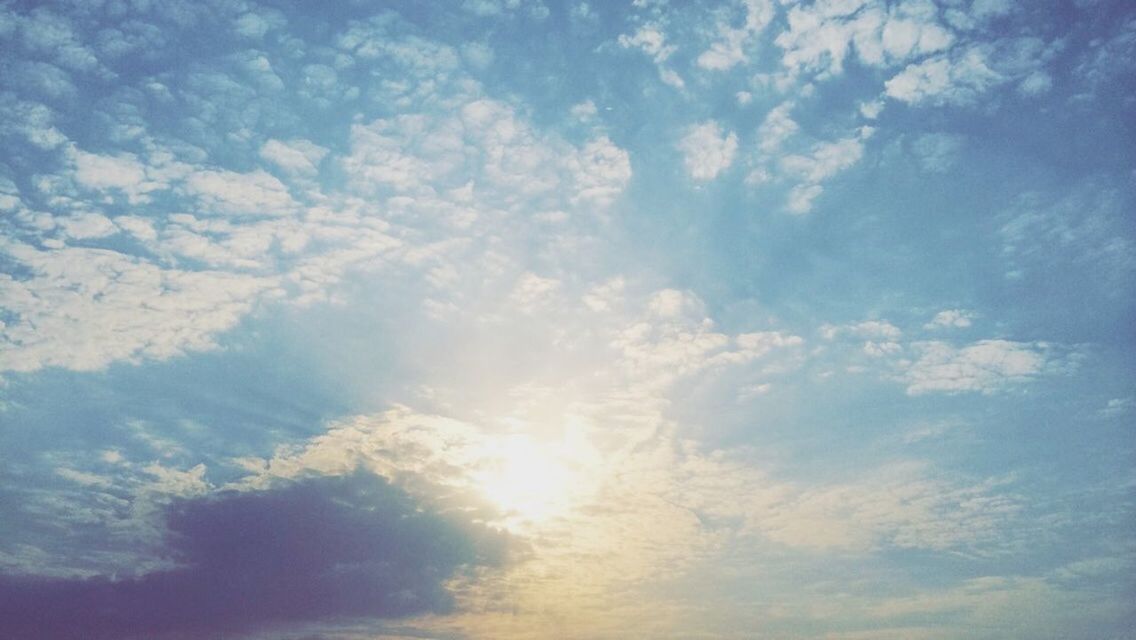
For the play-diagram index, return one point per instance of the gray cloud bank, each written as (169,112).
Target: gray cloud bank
(317,549)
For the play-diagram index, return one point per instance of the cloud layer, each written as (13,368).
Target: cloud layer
(346,546)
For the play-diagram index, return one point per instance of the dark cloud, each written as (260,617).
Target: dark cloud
(317,549)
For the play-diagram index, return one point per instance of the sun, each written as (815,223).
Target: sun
(528,481)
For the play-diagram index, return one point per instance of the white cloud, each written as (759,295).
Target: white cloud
(176,482)
(477,55)
(585,110)
(708,150)
(899,506)
(1117,407)
(123,172)
(1035,84)
(143,311)
(871,329)
(82,477)
(600,171)
(776,128)
(672,303)
(757,344)
(414,186)
(81,226)
(376,39)
(955,79)
(826,159)
(140,228)
(871,110)
(729,48)
(605,296)
(532,291)
(821,36)
(800,200)
(300,157)
(986,366)
(651,40)
(817,38)
(512,162)
(253,194)
(951,319)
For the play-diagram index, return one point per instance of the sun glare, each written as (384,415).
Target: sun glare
(527,480)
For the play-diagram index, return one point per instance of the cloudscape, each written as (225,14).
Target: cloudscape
(524,319)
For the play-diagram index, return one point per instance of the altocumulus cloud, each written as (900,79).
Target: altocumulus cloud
(315,549)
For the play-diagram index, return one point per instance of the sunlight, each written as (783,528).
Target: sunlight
(529,481)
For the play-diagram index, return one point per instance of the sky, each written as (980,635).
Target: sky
(522,319)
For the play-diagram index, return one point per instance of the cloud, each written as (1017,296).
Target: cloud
(898,506)
(677,505)
(986,366)
(123,172)
(999,606)
(103,172)
(484,8)
(650,39)
(881,338)
(708,150)
(822,35)
(256,24)
(487,148)
(823,161)
(801,198)
(990,8)
(314,549)
(1112,58)
(826,160)
(951,319)
(46,79)
(143,310)
(1117,407)
(937,152)
(299,157)
(32,121)
(776,128)
(82,226)
(253,194)
(47,33)
(378,39)
(728,49)
(599,172)
(937,366)
(1035,84)
(1083,224)
(164,282)
(956,79)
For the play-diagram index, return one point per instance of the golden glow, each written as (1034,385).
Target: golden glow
(530,481)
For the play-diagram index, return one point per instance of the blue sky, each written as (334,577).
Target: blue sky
(521,319)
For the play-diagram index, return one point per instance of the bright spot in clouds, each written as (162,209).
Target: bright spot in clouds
(529,481)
